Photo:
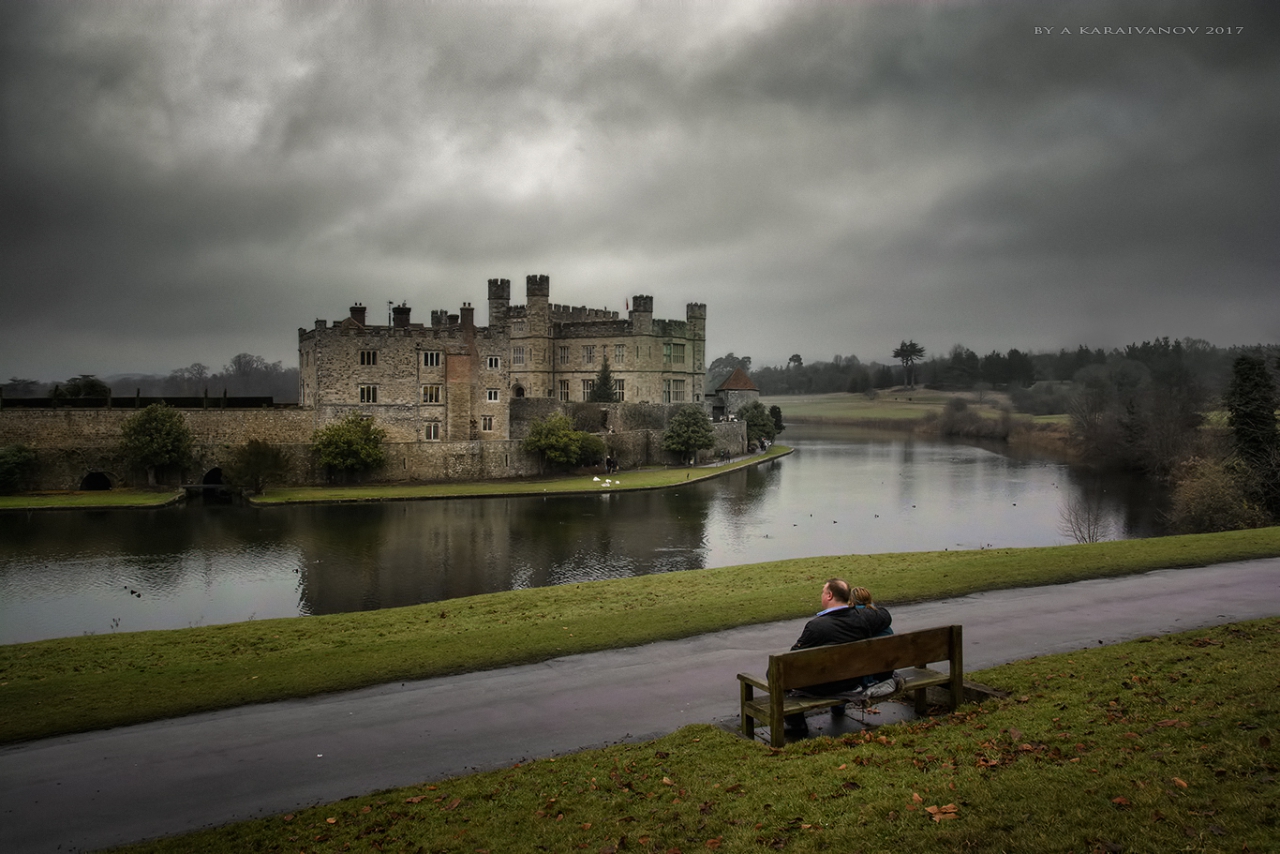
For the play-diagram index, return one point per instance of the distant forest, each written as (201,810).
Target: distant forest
(245,375)
(1030,377)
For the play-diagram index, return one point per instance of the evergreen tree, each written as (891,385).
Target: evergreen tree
(1251,402)
(689,432)
(775,412)
(603,391)
(759,424)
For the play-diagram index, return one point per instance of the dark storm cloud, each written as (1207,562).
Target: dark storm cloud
(183,181)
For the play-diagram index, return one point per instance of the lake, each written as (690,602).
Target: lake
(843,491)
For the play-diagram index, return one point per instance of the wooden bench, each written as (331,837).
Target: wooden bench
(909,654)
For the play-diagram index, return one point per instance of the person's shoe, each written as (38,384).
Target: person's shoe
(887,688)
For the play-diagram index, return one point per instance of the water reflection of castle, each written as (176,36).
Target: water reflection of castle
(390,555)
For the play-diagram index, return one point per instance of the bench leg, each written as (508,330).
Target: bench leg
(922,704)
(748,723)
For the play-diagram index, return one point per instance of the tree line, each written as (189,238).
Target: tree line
(245,375)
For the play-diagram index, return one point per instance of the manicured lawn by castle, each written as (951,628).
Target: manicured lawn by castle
(108,498)
(1161,744)
(655,477)
(91,682)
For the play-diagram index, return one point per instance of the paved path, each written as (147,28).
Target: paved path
(105,788)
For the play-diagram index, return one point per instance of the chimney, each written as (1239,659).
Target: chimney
(400,316)
(357,313)
(468,315)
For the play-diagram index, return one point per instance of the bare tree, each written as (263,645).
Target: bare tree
(1083,519)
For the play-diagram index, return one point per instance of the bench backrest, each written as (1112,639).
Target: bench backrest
(803,667)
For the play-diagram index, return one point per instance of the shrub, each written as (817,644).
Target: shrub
(350,446)
(156,438)
(16,464)
(1211,495)
(559,444)
(255,464)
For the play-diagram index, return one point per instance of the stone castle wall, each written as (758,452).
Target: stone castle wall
(73,443)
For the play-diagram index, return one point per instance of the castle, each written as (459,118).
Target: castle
(454,381)
(454,399)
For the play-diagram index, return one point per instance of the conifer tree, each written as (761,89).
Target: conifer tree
(603,391)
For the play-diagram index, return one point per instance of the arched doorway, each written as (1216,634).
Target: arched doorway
(213,477)
(519,391)
(95,481)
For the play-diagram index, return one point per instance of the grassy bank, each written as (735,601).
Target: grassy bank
(920,411)
(1166,744)
(108,499)
(74,684)
(646,478)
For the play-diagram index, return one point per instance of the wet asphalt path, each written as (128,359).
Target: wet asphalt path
(105,788)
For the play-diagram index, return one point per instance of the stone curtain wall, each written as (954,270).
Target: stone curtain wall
(71,443)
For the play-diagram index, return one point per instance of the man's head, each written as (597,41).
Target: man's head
(835,593)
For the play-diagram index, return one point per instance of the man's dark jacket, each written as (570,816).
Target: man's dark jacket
(843,625)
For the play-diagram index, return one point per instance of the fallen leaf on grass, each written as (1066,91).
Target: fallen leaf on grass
(1180,783)
(452,805)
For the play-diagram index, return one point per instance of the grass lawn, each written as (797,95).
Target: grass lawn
(73,500)
(73,684)
(646,478)
(900,406)
(1162,744)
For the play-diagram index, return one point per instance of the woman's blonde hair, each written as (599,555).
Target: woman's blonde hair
(861,596)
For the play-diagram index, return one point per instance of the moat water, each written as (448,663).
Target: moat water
(842,491)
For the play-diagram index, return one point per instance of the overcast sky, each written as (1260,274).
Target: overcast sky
(185,180)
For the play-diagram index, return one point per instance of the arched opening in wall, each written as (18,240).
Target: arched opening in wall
(95,481)
(213,477)
(519,391)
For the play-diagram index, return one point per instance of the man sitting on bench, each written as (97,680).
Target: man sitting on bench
(837,623)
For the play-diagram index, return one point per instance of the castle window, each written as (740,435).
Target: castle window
(486,423)
(677,391)
(588,353)
(666,354)
(564,390)
(431,431)
(431,393)
(368,394)
(666,391)
(677,354)
(491,394)
(564,356)
(368,357)
(493,362)
(517,355)
(619,353)
(431,359)
(619,390)
(588,386)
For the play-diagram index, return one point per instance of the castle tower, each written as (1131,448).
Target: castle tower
(641,314)
(499,300)
(696,315)
(537,290)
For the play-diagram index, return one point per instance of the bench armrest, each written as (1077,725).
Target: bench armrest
(753,681)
